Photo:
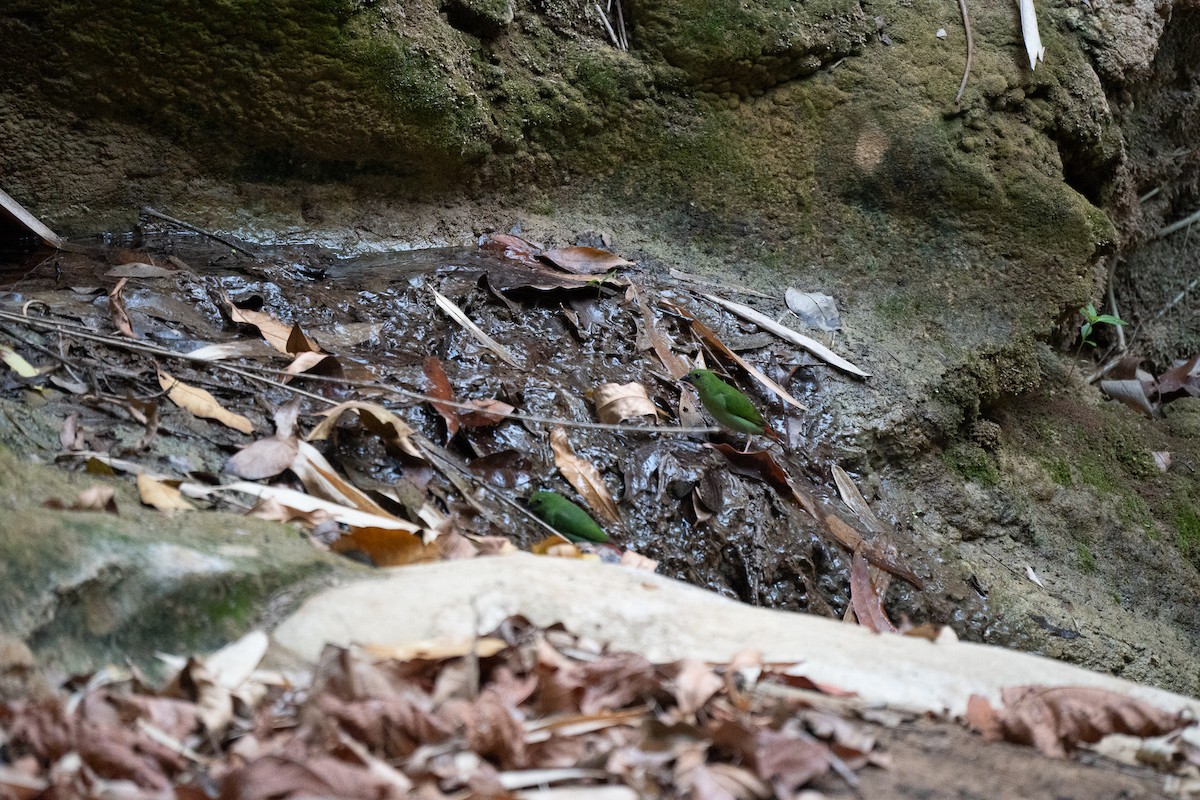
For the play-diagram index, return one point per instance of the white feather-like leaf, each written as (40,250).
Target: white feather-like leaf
(1029,30)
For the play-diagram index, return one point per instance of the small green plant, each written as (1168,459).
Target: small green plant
(1090,320)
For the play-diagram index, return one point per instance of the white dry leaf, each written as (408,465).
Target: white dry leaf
(1029,30)
(1162,460)
(240,349)
(233,664)
(853,498)
(455,313)
(305,503)
(1033,576)
(941,33)
(787,334)
(815,309)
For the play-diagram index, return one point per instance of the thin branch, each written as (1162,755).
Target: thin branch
(962,87)
(1183,223)
(621,27)
(150,212)
(608,26)
(1112,304)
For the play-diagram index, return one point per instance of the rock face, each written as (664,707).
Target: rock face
(88,588)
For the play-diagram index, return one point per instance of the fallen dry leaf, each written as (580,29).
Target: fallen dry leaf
(585,260)
(275,332)
(386,548)
(1182,380)
(376,419)
(1056,719)
(265,458)
(160,495)
(815,309)
(321,479)
(583,476)
(458,315)
(616,402)
(877,555)
(201,403)
(116,310)
(695,684)
(439,387)
(512,247)
(487,413)
(855,501)
(17,363)
(866,601)
(95,498)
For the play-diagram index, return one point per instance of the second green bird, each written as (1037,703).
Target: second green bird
(729,407)
(565,517)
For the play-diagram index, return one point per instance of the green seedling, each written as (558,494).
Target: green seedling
(1090,320)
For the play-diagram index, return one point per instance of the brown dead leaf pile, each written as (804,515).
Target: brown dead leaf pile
(526,708)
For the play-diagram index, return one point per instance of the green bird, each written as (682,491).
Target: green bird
(728,406)
(565,517)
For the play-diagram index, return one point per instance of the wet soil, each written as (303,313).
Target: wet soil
(680,501)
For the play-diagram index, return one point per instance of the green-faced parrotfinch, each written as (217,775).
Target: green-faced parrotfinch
(728,406)
(565,517)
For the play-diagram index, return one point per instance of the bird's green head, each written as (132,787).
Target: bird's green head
(539,499)
(696,376)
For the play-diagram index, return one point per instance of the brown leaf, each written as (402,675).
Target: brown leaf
(876,554)
(376,419)
(116,310)
(868,605)
(439,387)
(95,498)
(763,466)
(784,760)
(1182,380)
(512,247)
(201,403)
(275,332)
(585,260)
(71,436)
(1056,719)
(387,548)
(616,402)
(853,499)
(265,458)
(322,480)
(659,340)
(490,412)
(160,495)
(298,342)
(583,476)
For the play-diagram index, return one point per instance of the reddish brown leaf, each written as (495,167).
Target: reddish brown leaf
(439,387)
(512,247)
(1056,719)
(585,260)
(763,466)
(490,412)
(387,548)
(868,605)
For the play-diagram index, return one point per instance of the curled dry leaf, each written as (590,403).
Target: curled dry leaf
(161,495)
(201,403)
(275,332)
(376,419)
(1055,719)
(616,402)
(763,466)
(583,476)
(1182,380)
(695,684)
(585,260)
(512,247)
(303,505)
(116,310)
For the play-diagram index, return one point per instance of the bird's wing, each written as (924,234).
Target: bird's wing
(739,405)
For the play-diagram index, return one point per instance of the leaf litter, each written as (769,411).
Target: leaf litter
(373,479)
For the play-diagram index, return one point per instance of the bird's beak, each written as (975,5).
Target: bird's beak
(686,379)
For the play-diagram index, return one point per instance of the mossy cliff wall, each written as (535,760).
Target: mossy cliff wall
(814,143)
